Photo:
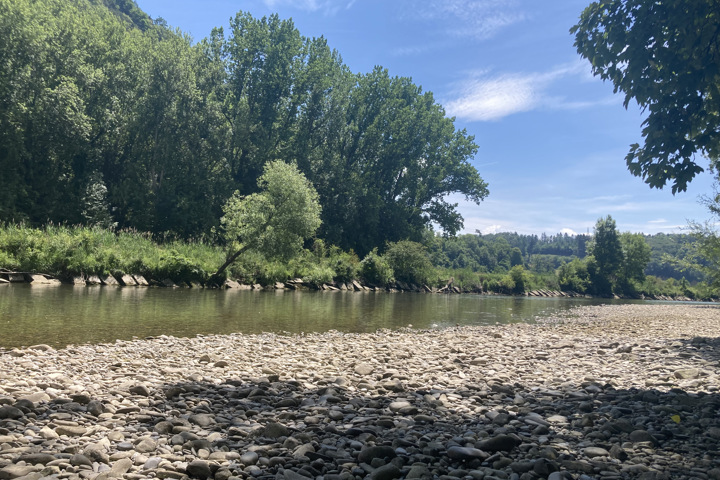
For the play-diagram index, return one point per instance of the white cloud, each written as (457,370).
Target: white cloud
(492,99)
(480,19)
(484,98)
(491,229)
(328,7)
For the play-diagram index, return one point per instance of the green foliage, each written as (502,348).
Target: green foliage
(574,276)
(108,118)
(636,255)
(607,255)
(68,251)
(665,56)
(275,221)
(375,270)
(409,262)
(519,279)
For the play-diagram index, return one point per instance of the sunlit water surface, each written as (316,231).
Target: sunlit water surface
(62,315)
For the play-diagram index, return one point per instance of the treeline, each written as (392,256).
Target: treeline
(109,118)
(492,264)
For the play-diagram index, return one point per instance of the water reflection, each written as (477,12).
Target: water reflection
(62,315)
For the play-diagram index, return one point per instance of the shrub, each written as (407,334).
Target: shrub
(375,270)
(409,262)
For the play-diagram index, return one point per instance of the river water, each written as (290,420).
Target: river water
(62,315)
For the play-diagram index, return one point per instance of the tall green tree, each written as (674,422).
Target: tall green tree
(665,55)
(607,255)
(636,256)
(274,221)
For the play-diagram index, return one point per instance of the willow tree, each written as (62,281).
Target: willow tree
(274,221)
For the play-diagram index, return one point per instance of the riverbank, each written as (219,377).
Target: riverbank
(126,280)
(627,391)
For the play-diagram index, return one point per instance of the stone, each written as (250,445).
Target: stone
(16,471)
(13,413)
(499,443)
(275,430)
(364,369)
(249,458)
(128,280)
(687,373)
(146,445)
(37,458)
(199,469)
(592,452)
(367,454)
(95,407)
(638,436)
(386,472)
(71,430)
(109,280)
(466,453)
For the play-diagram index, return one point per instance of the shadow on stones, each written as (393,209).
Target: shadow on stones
(267,428)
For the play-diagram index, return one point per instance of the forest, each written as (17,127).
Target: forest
(125,146)
(109,118)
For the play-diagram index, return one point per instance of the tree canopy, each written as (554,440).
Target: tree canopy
(666,56)
(108,117)
(274,221)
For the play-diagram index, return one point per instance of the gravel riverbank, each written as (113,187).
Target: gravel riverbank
(611,392)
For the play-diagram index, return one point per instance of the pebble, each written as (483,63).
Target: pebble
(597,393)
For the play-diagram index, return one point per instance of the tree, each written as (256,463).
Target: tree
(607,254)
(409,261)
(274,221)
(665,55)
(636,256)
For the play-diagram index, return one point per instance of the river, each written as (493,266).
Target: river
(63,315)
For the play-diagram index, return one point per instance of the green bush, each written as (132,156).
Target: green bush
(409,262)
(375,270)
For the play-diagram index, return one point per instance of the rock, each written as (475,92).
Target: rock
(70,430)
(592,452)
(146,445)
(95,407)
(687,373)
(364,369)
(109,280)
(16,471)
(203,420)
(79,459)
(37,458)
(367,454)
(638,436)
(13,413)
(275,430)
(199,469)
(419,471)
(465,454)
(141,390)
(386,472)
(249,458)
(616,451)
(499,443)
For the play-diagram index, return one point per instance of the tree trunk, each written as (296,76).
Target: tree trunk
(215,278)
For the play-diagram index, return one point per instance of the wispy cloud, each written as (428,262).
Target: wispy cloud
(479,19)
(327,7)
(483,97)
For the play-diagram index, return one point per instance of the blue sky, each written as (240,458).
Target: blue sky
(552,137)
